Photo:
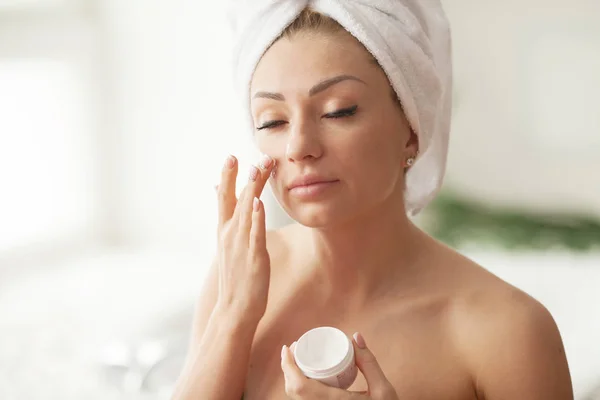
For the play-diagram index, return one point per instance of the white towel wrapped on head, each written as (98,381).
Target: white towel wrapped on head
(411,41)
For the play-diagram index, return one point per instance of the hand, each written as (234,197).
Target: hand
(299,387)
(243,260)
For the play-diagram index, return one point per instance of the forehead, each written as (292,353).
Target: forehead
(307,58)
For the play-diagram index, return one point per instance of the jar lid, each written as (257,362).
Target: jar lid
(322,350)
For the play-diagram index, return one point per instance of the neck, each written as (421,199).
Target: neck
(361,254)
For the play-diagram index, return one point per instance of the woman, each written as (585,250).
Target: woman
(344,139)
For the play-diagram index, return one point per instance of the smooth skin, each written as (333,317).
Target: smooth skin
(437,325)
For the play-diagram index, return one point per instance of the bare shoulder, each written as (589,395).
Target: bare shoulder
(508,340)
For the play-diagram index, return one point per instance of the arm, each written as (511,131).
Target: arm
(217,366)
(235,295)
(218,351)
(518,354)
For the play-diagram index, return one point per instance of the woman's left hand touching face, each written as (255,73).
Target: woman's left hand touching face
(299,387)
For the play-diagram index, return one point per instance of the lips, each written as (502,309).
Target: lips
(308,180)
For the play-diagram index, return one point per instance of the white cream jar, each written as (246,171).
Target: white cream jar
(327,355)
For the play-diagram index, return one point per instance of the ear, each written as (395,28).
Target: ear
(411,150)
(412,145)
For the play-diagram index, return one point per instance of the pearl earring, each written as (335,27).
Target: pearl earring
(411,160)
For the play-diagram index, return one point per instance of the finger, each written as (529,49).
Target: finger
(259,175)
(258,232)
(266,166)
(257,180)
(378,384)
(243,211)
(298,386)
(226,190)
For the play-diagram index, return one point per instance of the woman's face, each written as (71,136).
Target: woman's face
(324,110)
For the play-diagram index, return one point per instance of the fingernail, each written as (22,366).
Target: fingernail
(283,349)
(216,188)
(256,204)
(266,161)
(360,341)
(230,162)
(253,173)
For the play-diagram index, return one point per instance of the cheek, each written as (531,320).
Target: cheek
(371,158)
(372,144)
(273,146)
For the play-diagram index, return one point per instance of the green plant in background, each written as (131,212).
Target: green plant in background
(458,222)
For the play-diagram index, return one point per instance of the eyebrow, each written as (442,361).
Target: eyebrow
(318,88)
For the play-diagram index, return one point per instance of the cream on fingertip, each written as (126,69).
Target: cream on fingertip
(266,162)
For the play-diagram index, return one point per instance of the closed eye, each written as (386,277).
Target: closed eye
(346,112)
(270,125)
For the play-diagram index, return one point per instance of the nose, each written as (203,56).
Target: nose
(303,142)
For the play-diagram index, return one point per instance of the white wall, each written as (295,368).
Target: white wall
(526,129)
(49,176)
(176,118)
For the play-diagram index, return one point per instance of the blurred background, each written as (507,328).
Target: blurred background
(115,118)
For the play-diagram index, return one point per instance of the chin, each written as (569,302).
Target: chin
(318,215)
